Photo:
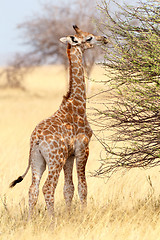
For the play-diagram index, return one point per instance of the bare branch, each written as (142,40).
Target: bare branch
(133,115)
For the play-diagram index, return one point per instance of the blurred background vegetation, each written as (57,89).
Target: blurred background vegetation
(41,33)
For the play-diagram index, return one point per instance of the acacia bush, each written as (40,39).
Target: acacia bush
(133,111)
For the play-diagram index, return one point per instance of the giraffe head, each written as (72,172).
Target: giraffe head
(82,39)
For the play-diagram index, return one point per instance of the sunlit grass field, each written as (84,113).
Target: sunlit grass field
(127,206)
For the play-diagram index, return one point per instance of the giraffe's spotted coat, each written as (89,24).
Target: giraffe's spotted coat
(57,140)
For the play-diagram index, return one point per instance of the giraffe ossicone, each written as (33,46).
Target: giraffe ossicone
(65,136)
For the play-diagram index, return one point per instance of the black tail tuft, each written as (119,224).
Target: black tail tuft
(15,182)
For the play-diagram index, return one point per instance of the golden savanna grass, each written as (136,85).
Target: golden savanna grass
(127,206)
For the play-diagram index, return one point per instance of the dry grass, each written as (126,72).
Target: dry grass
(127,206)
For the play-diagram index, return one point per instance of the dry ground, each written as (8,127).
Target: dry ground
(124,207)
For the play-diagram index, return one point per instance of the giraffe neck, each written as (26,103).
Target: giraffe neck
(76,73)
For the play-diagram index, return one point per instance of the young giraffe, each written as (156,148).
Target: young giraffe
(65,135)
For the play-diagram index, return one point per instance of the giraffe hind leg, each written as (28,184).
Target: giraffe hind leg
(38,166)
(68,190)
(49,187)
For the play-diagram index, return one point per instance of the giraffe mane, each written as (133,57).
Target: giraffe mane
(66,97)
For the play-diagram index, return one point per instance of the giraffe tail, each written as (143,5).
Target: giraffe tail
(20,178)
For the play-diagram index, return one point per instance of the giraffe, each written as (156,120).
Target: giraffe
(59,139)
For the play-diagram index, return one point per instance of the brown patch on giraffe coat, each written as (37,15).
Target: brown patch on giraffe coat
(78,92)
(69,107)
(81,122)
(82,88)
(48,121)
(77,80)
(87,153)
(75,110)
(76,102)
(88,132)
(52,129)
(58,137)
(49,138)
(57,165)
(68,118)
(76,65)
(57,157)
(75,117)
(80,72)
(69,133)
(85,141)
(81,111)
(56,121)
(80,130)
(75,71)
(55,144)
(80,98)
(41,124)
(46,132)
(41,137)
(52,146)
(69,127)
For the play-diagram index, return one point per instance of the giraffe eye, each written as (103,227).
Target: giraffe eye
(73,39)
(89,39)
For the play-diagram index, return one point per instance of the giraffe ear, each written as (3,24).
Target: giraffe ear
(64,40)
(70,39)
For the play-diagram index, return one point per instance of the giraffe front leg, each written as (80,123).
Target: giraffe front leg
(81,161)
